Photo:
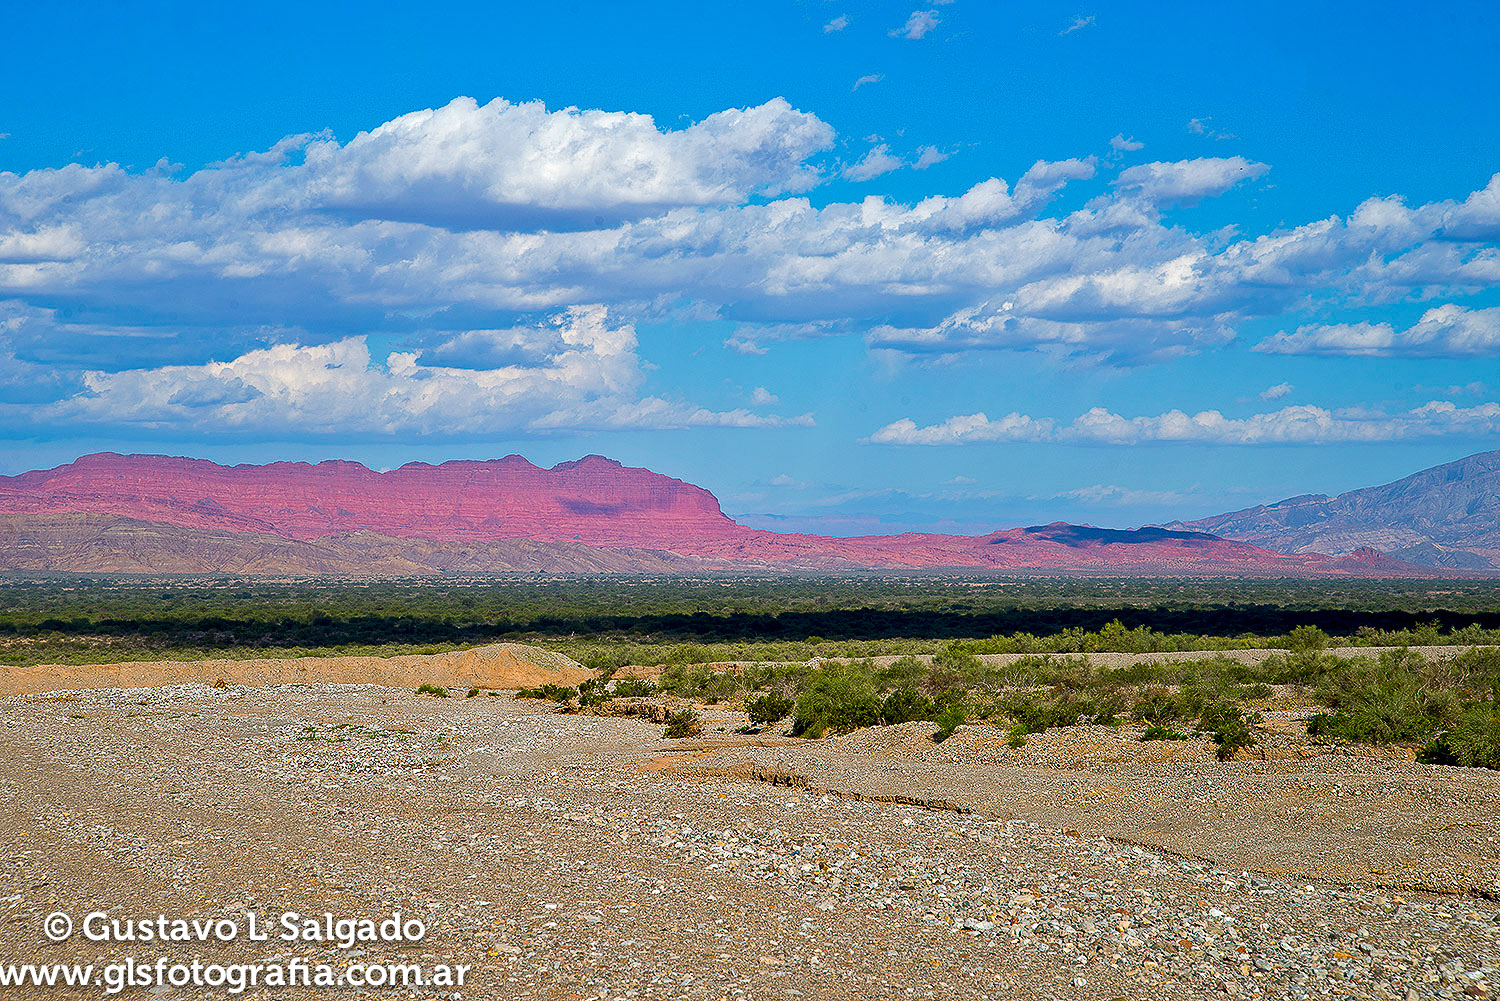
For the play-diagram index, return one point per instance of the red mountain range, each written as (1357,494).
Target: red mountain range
(150,513)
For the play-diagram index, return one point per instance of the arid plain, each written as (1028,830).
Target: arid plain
(582,855)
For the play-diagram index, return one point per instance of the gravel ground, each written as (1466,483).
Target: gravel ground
(1362,816)
(571,856)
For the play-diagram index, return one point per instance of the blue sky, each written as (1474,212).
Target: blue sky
(856,267)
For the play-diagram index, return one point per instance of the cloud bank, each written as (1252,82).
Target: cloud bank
(1448,331)
(1295,425)
(470,237)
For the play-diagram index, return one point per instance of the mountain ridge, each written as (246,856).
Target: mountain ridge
(1445,516)
(460,499)
(162,514)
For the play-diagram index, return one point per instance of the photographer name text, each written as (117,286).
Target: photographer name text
(289,926)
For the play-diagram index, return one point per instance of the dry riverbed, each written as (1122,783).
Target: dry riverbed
(575,856)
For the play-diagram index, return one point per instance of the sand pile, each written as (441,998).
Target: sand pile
(496,666)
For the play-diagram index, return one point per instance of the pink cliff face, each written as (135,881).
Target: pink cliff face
(594,501)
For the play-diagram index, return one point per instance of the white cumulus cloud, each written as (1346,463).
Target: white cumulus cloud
(918,24)
(1290,425)
(1449,331)
(874,163)
(965,429)
(1188,180)
(929,156)
(500,159)
(1277,391)
(589,381)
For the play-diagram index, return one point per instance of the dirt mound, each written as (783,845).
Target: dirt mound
(496,666)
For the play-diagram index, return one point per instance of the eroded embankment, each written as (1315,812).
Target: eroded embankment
(499,666)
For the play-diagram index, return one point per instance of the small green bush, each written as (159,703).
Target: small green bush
(839,698)
(635,688)
(1162,733)
(773,707)
(954,666)
(905,672)
(949,718)
(906,706)
(1473,742)
(683,724)
(1229,726)
(437,691)
(593,692)
(1105,708)
(1307,640)
(552,693)
(471,693)
(1036,713)
(721,687)
(1397,699)
(1158,706)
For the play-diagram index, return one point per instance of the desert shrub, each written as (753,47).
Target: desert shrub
(1230,738)
(757,676)
(949,718)
(839,698)
(1159,706)
(1031,714)
(905,705)
(1115,637)
(1307,640)
(593,692)
(1229,726)
(471,693)
(437,691)
(552,693)
(954,658)
(905,672)
(953,670)
(683,679)
(773,707)
(1478,667)
(1394,699)
(1105,707)
(635,688)
(1040,670)
(1158,732)
(1474,741)
(720,687)
(697,681)
(1034,713)
(685,723)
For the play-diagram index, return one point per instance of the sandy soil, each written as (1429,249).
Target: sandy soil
(497,666)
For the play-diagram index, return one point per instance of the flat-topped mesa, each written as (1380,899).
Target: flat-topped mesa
(593,500)
(152,513)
